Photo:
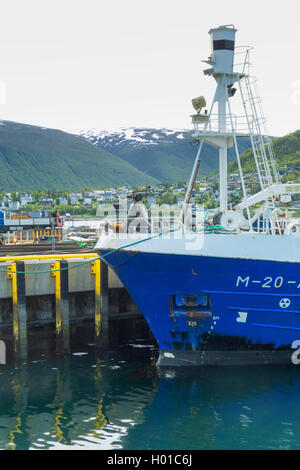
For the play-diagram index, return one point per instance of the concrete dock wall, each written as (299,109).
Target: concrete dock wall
(42,283)
(59,290)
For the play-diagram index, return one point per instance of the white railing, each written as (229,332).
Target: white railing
(230,124)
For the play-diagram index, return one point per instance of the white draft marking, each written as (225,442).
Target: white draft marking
(242,317)
(285,303)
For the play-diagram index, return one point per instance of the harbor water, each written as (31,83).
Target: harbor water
(120,400)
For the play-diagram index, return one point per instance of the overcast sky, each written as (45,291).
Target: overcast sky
(71,64)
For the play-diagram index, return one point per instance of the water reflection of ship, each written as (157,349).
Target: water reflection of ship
(88,403)
(223,408)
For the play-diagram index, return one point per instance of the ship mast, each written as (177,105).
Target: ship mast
(221,62)
(223,143)
(222,130)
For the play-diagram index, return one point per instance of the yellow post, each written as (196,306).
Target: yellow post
(55,267)
(16,272)
(99,270)
(60,273)
(11,274)
(96,270)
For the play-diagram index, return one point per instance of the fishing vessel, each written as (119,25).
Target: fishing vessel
(220,288)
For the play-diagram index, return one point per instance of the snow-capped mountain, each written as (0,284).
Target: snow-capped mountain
(137,137)
(165,154)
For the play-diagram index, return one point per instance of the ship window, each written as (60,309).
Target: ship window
(223,44)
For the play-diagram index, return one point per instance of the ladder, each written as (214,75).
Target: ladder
(261,142)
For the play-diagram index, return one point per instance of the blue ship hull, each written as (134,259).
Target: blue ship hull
(238,311)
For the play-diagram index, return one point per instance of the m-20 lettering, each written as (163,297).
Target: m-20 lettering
(267,283)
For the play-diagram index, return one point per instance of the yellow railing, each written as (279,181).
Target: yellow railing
(45,257)
(30,236)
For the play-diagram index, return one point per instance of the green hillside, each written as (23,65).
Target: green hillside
(174,161)
(166,155)
(33,157)
(287,152)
